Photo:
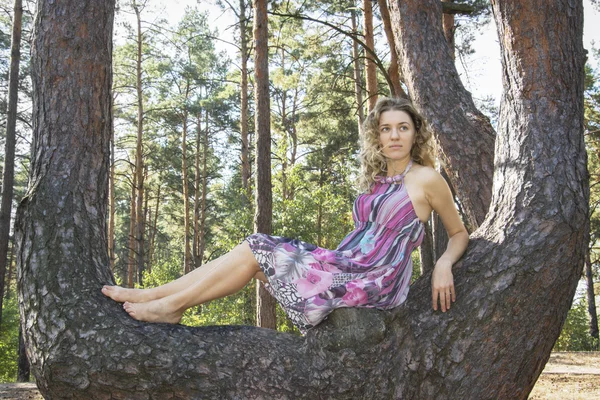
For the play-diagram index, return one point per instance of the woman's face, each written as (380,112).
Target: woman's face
(396,134)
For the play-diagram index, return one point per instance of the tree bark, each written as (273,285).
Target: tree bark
(244,100)
(196,242)
(370,68)
(187,255)
(139,152)
(154,230)
(394,68)
(202,227)
(111,204)
(8,172)
(448,24)
(358,82)
(23,370)
(591,297)
(465,135)
(426,251)
(265,303)
(132,247)
(514,285)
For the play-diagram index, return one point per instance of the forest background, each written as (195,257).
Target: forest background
(181,168)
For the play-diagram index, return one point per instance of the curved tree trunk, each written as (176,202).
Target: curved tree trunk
(514,285)
(464,133)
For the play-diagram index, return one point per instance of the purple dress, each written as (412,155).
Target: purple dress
(371,267)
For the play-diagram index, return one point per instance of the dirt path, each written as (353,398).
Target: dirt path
(567,376)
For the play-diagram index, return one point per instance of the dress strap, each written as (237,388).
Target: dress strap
(396,178)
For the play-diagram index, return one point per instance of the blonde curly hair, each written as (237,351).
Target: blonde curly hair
(372,160)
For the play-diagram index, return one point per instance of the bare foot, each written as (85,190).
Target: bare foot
(154,311)
(122,295)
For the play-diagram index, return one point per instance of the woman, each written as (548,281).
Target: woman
(370,268)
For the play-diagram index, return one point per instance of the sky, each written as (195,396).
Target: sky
(481,72)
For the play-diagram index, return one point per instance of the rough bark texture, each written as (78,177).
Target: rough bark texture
(514,285)
(265,304)
(448,25)
(8,172)
(465,134)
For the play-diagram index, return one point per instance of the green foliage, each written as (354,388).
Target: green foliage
(575,335)
(9,340)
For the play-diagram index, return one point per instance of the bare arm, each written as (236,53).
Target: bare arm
(440,198)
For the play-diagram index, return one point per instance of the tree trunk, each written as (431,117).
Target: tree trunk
(439,233)
(196,241)
(464,133)
(370,67)
(426,252)
(244,100)
(591,297)
(265,303)
(23,370)
(8,172)
(448,25)
(358,82)
(187,255)
(131,241)
(139,153)
(202,227)
(151,246)
(394,69)
(111,204)
(10,269)
(514,285)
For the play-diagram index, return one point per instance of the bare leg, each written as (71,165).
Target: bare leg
(122,295)
(230,275)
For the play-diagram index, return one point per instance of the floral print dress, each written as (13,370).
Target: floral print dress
(371,267)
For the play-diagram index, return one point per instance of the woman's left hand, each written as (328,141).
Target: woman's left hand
(442,285)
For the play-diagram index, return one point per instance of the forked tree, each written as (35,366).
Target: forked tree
(514,284)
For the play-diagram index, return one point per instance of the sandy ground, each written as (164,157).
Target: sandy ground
(567,376)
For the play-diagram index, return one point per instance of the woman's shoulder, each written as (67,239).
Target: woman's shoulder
(427,176)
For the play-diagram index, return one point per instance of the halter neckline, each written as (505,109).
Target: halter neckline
(396,178)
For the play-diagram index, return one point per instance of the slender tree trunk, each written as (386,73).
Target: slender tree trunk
(591,297)
(151,247)
(143,243)
(111,204)
(139,155)
(187,261)
(358,82)
(23,370)
(8,172)
(132,248)
(265,303)
(244,100)
(202,228)
(370,67)
(196,241)
(394,69)
(10,269)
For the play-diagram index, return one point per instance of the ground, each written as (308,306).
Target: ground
(567,376)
